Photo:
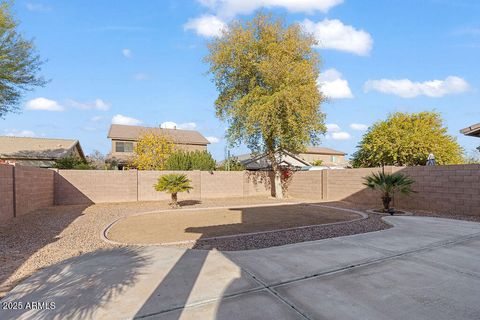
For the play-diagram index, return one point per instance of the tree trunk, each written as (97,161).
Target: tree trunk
(277,178)
(174,203)
(386,203)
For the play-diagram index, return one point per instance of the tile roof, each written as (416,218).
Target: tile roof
(125,132)
(36,148)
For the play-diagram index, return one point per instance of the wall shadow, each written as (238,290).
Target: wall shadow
(93,277)
(64,189)
(23,236)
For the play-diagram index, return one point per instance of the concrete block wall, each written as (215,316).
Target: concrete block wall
(33,190)
(306,184)
(221,184)
(348,185)
(95,186)
(6,192)
(256,183)
(453,189)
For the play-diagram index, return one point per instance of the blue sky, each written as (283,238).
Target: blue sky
(140,62)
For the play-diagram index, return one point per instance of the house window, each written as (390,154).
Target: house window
(123,146)
(334,159)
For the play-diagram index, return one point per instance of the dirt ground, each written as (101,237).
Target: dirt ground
(175,226)
(48,236)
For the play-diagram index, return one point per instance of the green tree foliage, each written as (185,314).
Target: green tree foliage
(190,160)
(388,184)
(317,162)
(73,162)
(406,139)
(173,184)
(266,75)
(231,164)
(19,63)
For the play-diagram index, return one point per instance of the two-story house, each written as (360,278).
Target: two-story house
(124,139)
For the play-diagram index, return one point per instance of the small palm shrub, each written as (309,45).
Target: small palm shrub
(173,183)
(388,184)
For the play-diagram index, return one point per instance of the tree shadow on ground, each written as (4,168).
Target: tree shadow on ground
(175,290)
(186,203)
(77,283)
(18,243)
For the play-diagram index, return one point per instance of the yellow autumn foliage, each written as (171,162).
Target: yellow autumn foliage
(152,151)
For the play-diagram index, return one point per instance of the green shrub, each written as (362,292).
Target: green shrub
(317,163)
(73,162)
(231,164)
(190,160)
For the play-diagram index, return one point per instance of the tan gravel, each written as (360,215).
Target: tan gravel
(188,225)
(48,236)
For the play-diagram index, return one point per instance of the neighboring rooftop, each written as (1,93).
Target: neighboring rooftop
(124,132)
(473,130)
(323,150)
(36,148)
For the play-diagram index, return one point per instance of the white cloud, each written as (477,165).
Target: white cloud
(231,8)
(174,125)
(206,25)
(336,133)
(333,127)
(38,7)
(141,76)
(19,133)
(406,88)
(97,104)
(121,119)
(213,139)
(331,84)
(127,53)
(342,135)
(333,34)
(358,126)
(44,104)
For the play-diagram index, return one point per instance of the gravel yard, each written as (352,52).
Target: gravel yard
(48,236)
(51,235)
(194,225)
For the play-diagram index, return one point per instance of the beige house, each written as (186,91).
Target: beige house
(124,138)
(329,157)
(37,152)
(472,131)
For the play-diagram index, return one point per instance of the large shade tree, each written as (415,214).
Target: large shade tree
(266,75)
(19,63)
(406,139)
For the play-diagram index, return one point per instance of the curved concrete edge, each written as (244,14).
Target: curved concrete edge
(404,214)
(104,232)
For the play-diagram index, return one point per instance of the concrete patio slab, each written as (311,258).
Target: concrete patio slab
(422,268)
(397,289)
(285,263)
(255,305)
(412,233)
